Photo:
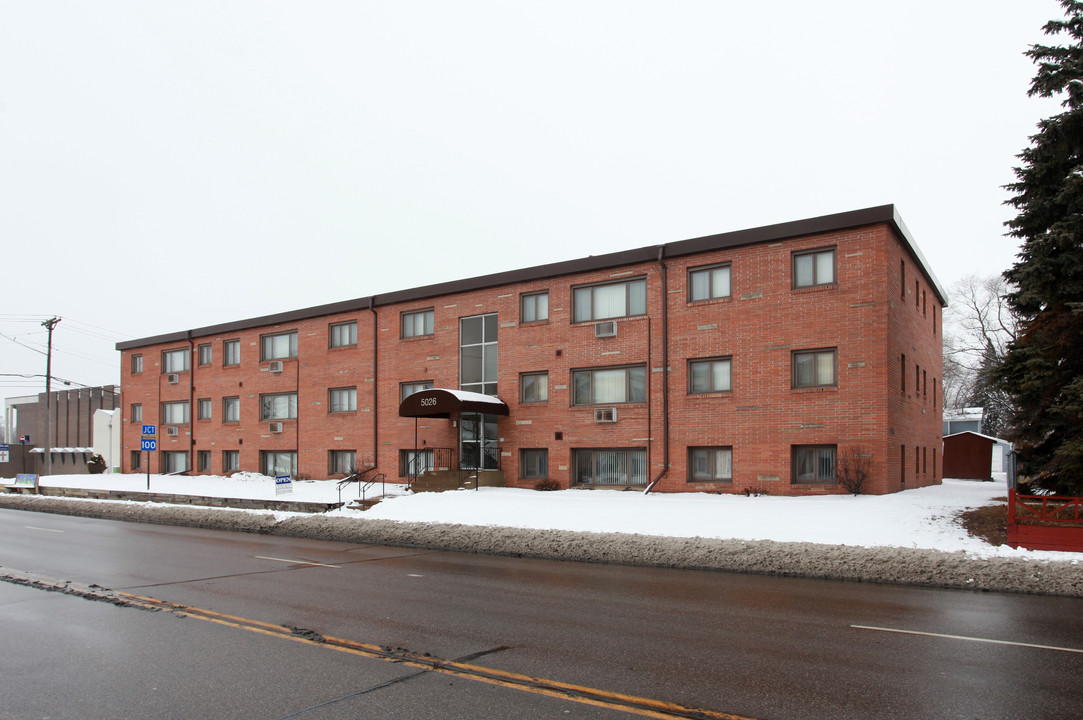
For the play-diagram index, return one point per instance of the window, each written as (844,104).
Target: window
(136,459)
(408,389)
(278,347)
(534,387)
(415,462)
(710,464)
(816,267)
(137,364)
(610,466)
(175,413)
(613,300)
(417,324)
(709,282)
(231,409)
(205,354)
(174,361)
(174,462)
(902,364)
(902,276)
(137,413)
(814,368)
(813,463)
(344,334)
(478,353)
(710,375)
(275,463)
(278,407)
(203,409)
(231,352)
(342,462)
(611,385)
(203,460)
(534,464)
(343,400)
(231,460)
(534,307)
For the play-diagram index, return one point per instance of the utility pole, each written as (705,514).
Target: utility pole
(50,324)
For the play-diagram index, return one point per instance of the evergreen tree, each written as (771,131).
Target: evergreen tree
(1043,368)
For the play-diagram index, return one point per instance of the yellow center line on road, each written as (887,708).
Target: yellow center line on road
(645,707)
(970,639)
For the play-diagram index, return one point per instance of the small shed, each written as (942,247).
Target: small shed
(973,456)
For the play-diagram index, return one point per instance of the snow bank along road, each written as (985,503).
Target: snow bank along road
(905,566)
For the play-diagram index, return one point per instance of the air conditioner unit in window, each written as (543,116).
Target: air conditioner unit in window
(605,329)
(275,427)
(275,366)
(172,430)
(172,378)
(605,415)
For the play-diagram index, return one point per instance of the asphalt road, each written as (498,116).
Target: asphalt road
(107,619)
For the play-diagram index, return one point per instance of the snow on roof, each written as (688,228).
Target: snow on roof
(1001,441)
(64,450)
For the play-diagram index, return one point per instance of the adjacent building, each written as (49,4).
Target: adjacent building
(75,433)
(773,359)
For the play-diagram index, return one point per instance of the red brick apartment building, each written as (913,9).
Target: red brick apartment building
(756,359)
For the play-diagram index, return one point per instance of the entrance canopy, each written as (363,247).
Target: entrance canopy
(439,402)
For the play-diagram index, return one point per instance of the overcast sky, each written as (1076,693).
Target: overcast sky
(171,165)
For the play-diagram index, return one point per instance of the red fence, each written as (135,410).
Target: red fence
(1038,522)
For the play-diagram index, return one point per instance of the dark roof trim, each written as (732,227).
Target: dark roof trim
(768,233)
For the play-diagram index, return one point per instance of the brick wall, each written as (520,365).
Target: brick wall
(870,317)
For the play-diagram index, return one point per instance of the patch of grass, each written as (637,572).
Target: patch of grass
(989,523)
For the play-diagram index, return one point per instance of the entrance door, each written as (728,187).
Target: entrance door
(478,443)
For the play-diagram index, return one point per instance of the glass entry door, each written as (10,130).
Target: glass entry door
(478,442)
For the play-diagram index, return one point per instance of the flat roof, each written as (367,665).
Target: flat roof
(767,233)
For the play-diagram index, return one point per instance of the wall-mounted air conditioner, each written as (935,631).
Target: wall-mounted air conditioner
(605,415)
(275,427)
(275,366)
(605,329)
(172,378)
(172,430)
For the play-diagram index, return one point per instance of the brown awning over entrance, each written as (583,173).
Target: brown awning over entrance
(439,402)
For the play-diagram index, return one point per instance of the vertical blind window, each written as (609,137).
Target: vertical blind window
(609,386)
(601,302)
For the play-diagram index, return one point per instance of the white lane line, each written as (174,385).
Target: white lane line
(298,562)
(31,527)
(971,639)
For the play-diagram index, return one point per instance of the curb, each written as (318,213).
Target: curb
(891,565)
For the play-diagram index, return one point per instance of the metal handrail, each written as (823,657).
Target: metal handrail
(363,484)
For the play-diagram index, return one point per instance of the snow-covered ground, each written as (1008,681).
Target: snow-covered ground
(925,518)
